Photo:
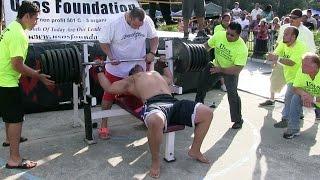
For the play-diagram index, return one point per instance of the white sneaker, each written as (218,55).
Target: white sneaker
(223,88)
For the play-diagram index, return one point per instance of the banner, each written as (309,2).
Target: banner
(71,20)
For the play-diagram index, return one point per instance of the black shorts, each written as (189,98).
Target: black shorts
(175,112)
(11,108)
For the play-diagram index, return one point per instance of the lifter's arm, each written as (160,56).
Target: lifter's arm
(118,87)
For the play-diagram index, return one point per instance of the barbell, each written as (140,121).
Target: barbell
(124,60)
(66,65)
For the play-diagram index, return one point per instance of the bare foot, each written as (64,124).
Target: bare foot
(155,171)
(199,157)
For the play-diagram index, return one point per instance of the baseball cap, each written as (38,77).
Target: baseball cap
(296,13)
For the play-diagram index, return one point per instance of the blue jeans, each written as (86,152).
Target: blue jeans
(294,115)
(287,101)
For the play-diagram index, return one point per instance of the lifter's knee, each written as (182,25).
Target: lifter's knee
(155,121)
(203,113)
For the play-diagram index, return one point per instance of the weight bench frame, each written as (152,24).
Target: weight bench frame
(90,101)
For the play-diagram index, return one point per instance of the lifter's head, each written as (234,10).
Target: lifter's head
(136,69)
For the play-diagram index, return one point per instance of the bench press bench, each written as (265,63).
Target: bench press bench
(131,105)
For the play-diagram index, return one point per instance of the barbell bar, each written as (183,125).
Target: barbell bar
(125,60)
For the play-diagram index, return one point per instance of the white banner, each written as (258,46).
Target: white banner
(71,20)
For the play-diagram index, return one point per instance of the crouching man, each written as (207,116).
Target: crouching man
(161,109)
(306,88)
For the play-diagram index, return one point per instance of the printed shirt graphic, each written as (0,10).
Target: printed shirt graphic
(127,43)
(295,54)
(305,82)
(13,43)
(228,54)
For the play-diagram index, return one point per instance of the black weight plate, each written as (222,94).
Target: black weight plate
(55,66)
(71,65)
(190,64)
(197,54)
(76,68)
(50,62)
(181,53)
(61,66)
(44,67)
(205,57)
(67,68)
(201,56)
(79,61)
(191,57)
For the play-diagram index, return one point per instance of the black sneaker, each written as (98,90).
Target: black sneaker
(237,125)
(282,124)
(171,22)
(290,135)
(267,103)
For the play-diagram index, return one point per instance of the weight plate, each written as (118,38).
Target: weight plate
(68,72)
(195,57)
(61,66)
(55,66)
(198,58)
(79,61)
(71,66)
(44,68)
(75,65)
(182,54)
(50,62)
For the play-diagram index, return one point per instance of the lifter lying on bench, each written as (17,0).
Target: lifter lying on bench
(161,109)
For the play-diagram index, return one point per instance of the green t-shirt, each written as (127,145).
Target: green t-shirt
(227,53)
(218,28)
(305,82)
(293,53)
(13,43)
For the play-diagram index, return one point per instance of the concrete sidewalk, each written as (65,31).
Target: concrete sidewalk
(257,151)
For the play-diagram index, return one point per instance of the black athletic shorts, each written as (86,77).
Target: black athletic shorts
(11,108)
(175,112)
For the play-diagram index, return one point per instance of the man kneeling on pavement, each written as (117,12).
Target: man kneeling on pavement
(306,89)
(161,109)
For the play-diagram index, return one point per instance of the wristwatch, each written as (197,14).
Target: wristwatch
(100,69)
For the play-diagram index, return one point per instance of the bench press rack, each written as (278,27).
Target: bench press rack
(90,101)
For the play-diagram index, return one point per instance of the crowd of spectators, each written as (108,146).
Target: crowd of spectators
(260,26)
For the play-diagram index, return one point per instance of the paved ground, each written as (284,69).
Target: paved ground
(257,151)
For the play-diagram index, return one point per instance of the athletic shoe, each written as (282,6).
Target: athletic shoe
(237,125)
(223,88)
(290,135)
(267,103)
(282,124)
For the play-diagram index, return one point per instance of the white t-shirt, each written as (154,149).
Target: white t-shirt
(305,35)
(255,12)
(236,13)
(244,23)
(127,43)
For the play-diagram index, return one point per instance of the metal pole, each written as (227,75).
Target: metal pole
(1,15)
